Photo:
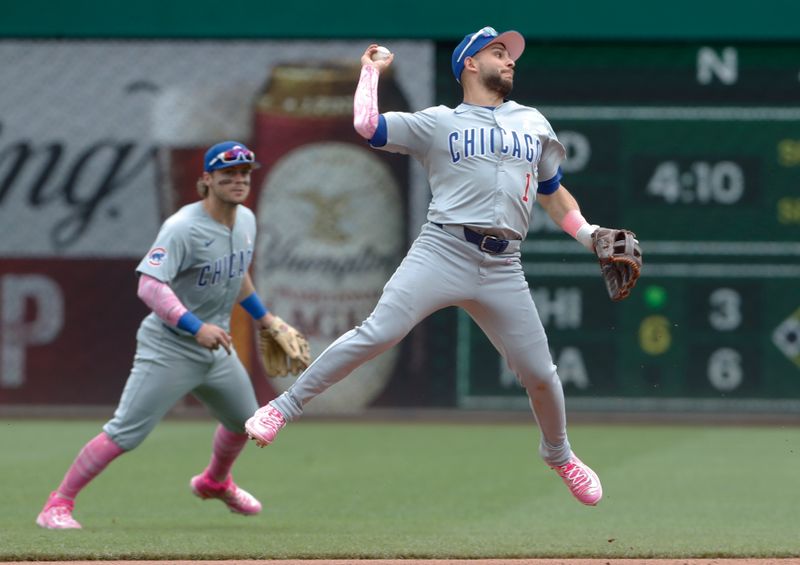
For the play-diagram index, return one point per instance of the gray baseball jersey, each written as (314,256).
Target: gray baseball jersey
(484,166)
(204,264)
(203,261)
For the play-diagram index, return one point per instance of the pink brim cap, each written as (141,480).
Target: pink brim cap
(513,42)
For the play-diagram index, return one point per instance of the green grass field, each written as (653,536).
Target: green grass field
(388,490)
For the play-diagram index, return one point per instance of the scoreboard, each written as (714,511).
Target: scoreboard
(695,148)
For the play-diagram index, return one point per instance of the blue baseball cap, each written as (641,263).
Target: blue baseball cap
(228,154)
(474,42)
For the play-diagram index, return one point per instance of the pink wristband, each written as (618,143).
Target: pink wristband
(572,222)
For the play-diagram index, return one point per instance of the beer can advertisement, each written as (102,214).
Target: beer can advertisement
(101,141)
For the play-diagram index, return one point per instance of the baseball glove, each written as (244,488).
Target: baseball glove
(620,260)
(283,349)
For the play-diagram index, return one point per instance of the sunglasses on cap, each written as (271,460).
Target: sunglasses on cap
(235,155)
(483,32)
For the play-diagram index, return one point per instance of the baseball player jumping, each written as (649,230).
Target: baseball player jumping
(487,160)
(195,272)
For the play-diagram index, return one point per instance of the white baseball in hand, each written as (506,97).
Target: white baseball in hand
(381,53)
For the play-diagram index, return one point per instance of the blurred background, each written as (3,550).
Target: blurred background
(681,121)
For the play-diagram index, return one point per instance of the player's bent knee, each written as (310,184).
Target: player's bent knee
(536,379)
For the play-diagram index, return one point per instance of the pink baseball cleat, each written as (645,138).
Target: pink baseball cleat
(583,483)
(236,499)
(264,425)
(57,514)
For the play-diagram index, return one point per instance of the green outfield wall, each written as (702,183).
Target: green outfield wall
(771,20)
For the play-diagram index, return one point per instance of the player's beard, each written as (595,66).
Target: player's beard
(496,82)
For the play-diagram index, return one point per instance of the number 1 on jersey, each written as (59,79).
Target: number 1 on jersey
(527,186)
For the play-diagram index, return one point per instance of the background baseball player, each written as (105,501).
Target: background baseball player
(487,160)
(195,272)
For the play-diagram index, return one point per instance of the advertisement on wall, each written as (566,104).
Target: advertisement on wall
(100,141)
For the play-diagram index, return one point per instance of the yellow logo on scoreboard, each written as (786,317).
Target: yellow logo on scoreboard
(654,335)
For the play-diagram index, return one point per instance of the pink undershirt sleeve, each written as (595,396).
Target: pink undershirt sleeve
(365,102)
(160,298)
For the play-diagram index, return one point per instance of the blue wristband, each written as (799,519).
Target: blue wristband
(190,323)
(252,304)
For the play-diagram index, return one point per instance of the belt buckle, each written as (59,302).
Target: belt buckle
(492,238)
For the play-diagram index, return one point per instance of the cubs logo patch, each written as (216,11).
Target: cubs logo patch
(156,256)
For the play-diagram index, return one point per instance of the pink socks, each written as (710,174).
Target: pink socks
(90,462)
(226,448)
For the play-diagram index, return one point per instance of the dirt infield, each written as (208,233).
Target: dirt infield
(685,561)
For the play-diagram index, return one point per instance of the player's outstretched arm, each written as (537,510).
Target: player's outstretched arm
(617,250)
(562,207)
(365,101)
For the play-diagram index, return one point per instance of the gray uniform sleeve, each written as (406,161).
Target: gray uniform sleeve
(410,134)
(553,154)
(168,253)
